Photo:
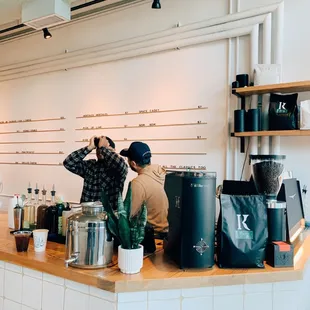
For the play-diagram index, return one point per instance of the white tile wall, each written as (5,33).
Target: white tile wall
(231,302)
(97,303)
(228,290)
(77,286)
(161,295)
(258,288)
(139,305)
(258,301)
(53,296)
(56,280)
(285,300)
(75,300)
(32,273)
(205,303)
(129,297)
(27,289)
(11,305)
(13,286)
(167,304)
(13,267)
(1,282)
(96,292)
(32,292)
(197,292)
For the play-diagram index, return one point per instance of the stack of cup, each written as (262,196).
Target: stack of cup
(40,239)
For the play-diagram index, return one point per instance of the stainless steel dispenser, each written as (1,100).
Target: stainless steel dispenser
(89,245)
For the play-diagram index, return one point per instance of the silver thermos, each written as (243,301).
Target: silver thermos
(88,244)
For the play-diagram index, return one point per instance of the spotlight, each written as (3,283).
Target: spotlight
(46,33)
(156,4)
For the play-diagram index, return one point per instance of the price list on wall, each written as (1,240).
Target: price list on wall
(164,133)
(28,137)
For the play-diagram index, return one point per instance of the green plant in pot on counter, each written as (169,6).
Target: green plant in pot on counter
(128,230)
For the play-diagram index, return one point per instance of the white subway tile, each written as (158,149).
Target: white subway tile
(139,305)
(33,273)
(53,279)
(97,303)
(11,305)
(205,303)
(197,292)
(94,291)
(75,300)
(258,288)
(287,286)
(166,294)
(1,303)
(26,308)
(228,290)
(53,296)
(32,292)
(2,264)
(13,286)
(231,302)
(77,286)
(129,297)
(1,282)
(172,304)
(13,267)
(258,301)
(285,300)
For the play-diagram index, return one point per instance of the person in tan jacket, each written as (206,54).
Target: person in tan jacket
(148,186)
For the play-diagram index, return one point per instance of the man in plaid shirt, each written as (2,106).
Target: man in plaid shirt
(108,173)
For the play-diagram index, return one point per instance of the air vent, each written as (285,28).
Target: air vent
(40,14)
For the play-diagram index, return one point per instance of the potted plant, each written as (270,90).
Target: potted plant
(128,230)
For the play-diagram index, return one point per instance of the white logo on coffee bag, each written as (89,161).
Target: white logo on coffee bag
(242,222)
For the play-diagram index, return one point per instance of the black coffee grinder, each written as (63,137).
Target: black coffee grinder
(191,218)
(267,173)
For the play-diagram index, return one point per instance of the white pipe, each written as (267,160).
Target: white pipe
(279,38)
(237,141)
(267,31)
(67,59)
(254,60)
(228,171)
(127,54)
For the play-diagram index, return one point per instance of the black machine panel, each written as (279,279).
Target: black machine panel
(191,217)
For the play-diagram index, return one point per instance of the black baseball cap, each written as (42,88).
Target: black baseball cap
(138,151)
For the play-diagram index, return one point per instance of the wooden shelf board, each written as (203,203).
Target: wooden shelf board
(272,133)
(293,87)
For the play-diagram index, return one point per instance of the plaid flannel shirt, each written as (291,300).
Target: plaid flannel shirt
(108,174)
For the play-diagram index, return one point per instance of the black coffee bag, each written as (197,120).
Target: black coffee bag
(242,232)
(283,112)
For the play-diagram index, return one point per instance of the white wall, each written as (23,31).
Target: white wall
(175,79)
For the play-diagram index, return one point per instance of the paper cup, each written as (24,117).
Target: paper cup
(40,239)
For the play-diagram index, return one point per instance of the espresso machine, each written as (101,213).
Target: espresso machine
(191,217)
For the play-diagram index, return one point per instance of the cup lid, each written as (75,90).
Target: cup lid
(267,157)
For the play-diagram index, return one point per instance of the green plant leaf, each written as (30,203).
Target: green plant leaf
(124,232)
(128,200)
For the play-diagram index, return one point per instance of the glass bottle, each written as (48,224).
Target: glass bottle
(28,207)
(65,214)
(41,213)
(18,216)
(51,219)
(60,208)
(34,210)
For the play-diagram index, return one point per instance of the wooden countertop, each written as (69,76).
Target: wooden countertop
(158,273)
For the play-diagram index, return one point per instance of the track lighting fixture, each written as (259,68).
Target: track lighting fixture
(156,4)
(46,33)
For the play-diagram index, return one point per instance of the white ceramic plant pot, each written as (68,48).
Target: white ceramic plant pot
(130,261)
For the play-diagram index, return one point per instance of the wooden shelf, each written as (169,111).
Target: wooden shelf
(298,133)
(294,87)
